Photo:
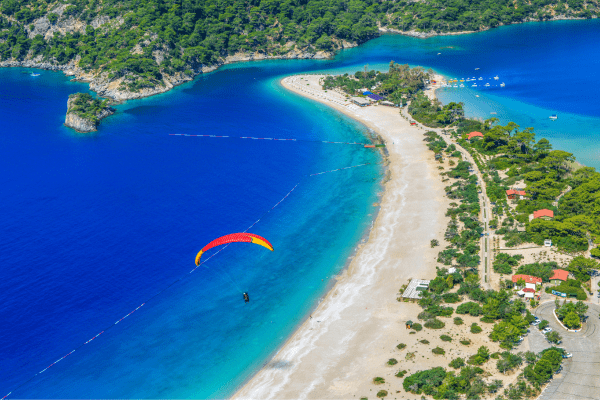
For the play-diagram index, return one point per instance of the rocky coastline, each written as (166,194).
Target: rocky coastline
(84,122)
(426,35)
(110,88)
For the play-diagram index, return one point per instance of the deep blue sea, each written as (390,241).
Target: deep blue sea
(92,226)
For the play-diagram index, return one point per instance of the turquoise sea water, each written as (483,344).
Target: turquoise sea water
(94,225)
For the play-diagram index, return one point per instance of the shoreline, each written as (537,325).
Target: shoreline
(108,89)
(360,313)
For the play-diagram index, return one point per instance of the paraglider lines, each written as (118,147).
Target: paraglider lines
(177,280)
(260,138)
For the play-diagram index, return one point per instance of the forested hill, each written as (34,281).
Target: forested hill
(139,45)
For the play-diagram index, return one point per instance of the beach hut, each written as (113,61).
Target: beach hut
(560,275)
(474,135)
(359,101)
(544,214)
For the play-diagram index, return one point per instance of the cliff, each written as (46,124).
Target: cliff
(84,112)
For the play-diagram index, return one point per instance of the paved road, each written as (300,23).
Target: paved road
(580,377)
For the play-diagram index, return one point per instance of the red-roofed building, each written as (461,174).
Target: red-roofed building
(513,194)
(544,213)
(560,275)
(474,134)
(530,290)
(526,278)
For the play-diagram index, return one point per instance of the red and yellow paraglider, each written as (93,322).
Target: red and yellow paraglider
(234,238)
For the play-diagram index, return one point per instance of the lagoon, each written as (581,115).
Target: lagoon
(98,224)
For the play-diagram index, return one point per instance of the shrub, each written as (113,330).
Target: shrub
(392,361)
(424,341)
(401,346)
(409,355)
(553,337)
(483,354)
(446,338)
(425,315)
(417,327)
(458,321)
(475,328)
(495,355)
(457,363)
(470,308)
(430,377)
(434,323)
(400,374)
(378,380)
(465,342)
(438,350)
(451,297)
(382,393)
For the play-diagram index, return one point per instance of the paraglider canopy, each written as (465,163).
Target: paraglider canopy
(233,238)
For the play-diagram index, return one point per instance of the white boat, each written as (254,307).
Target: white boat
(487,85)
(554,117)
(476,69)
(34,74)
(502,84)
(474,85)
(455,86)
(480,78)
(461,85)
(439,54)
(496,78)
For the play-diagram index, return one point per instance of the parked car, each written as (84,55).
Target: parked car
(546,330)
(536,322)
(567,355)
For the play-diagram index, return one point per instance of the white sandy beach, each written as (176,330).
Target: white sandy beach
(354,331)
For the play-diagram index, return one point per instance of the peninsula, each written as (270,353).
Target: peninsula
(363,340)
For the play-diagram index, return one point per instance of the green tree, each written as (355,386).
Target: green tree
(572,321)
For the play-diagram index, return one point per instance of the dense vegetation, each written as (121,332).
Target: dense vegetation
(142,40)
(550,179)
(433,113)
(398,84)
(86,106)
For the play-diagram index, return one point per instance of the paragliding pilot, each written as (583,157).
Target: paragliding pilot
(246,297)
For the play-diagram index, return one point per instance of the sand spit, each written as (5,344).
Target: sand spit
(352,333)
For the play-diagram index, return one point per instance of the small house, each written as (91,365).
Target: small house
(544,214)
(474,135)
(560,275)
(548,243)
(526,278)
(514,194)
